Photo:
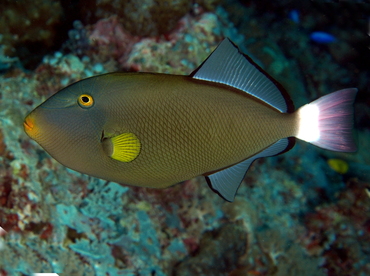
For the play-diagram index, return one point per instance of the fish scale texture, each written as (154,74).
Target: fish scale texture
(187,128)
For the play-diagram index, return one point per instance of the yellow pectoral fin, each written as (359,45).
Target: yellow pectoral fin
(124,147)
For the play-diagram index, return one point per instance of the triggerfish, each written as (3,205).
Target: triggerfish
(155,130)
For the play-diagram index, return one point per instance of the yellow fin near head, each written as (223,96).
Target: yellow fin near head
(125,147)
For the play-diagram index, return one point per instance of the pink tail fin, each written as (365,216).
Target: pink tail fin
(327,122)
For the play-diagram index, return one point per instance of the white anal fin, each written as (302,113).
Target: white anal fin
(226,182)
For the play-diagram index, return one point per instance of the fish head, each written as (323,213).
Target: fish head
(69,125)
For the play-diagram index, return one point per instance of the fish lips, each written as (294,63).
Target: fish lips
(29,125)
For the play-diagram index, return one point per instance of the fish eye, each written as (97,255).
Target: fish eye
(85,100)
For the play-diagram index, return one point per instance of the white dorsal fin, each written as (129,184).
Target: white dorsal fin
(229,66)
(227,181)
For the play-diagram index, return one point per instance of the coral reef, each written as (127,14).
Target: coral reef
(32,22)
(189,46)
(340,231)
(226,245)
(110,41)
(147,18)
(78,42)
(302,213)
(29,29)
(152,17)
(6,62)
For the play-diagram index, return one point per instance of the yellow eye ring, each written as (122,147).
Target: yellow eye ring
(85,100)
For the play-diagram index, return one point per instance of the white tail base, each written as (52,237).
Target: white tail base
(308,129)
(327,122)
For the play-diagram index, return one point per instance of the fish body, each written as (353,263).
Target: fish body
(322,37)
(294,16)
(155,130)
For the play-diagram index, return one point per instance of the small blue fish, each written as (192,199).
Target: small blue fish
(322,37)
(294,16)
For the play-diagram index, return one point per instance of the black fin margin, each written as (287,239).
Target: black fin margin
(214,190)
(291,144)
(284,93)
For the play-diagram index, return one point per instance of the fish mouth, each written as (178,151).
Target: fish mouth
(28,124)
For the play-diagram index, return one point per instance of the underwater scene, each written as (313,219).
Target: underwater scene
(88,179)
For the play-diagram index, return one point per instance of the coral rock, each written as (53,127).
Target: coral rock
(218,253)
(145,17)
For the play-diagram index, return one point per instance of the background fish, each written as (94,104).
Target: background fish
(322,37)
(155,130)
